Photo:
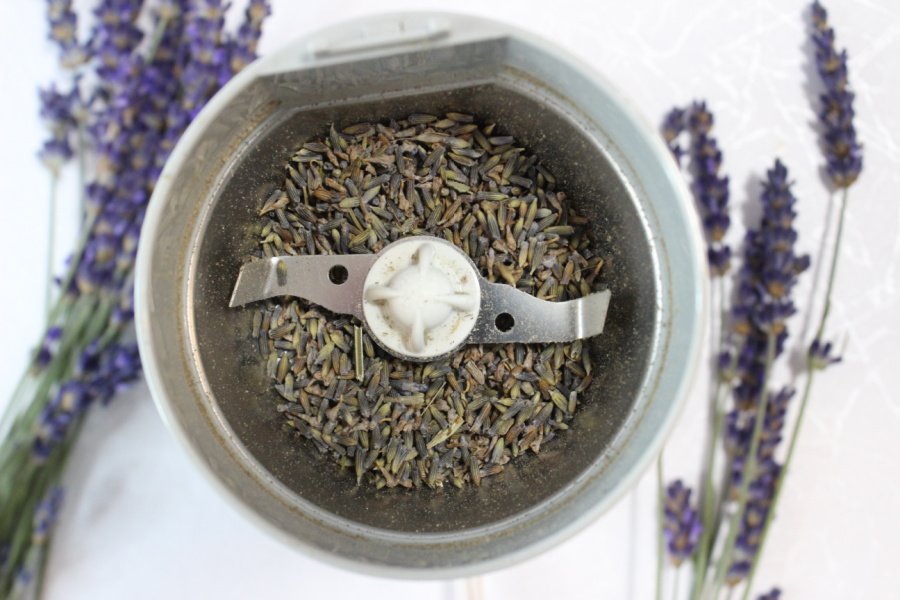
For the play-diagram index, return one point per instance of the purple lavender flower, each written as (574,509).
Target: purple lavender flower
(115,36)
(100,374)
(64,31)
(843,153)
(48,347)
(770,271)
(243,47)
(775,594)
(58,111)
(45,515)
(739,426)
(55,153)
(682,523)
(673,126)
(710,190)
(820,355)
(761,490)
(751,527)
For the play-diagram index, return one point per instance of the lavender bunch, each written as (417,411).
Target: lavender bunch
(738,508)
(148,89)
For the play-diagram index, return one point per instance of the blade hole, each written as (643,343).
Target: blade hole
(338,274)
(504,322)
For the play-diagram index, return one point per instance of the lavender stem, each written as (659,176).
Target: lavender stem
(675,583)
(51,241)
(158,34)
(834,262)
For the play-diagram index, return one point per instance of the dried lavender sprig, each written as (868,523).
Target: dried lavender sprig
(710,190)
(711,194)
(843,157)
(767,278)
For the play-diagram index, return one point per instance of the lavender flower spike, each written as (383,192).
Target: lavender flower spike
(682,523)
(775,594)
(710,190)
(842,152)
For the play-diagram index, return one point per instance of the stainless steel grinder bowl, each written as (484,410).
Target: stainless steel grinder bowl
(206,376)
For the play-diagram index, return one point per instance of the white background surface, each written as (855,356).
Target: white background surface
(140,522)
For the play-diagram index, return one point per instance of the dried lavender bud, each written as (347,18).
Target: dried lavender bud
(472,412)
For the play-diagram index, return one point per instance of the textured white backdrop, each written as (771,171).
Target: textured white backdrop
(140,523)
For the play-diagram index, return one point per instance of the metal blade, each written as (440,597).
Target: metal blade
(510,315)
(334,282)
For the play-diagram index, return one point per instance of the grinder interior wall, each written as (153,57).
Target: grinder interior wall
(235,372)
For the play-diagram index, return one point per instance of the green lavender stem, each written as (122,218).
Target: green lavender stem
(675,583)
(158,33)
(806,393)
(51,241)
(749,473)
(708,509)
(40,479)
(833,269)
